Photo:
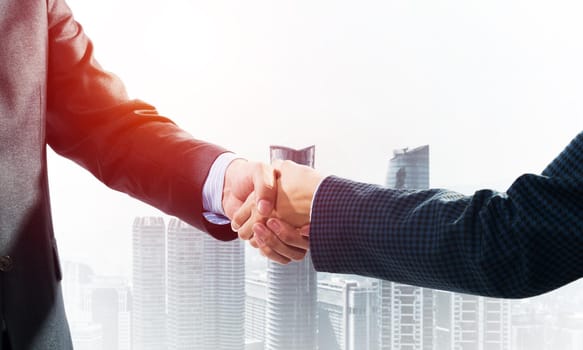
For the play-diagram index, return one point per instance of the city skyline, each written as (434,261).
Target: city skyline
(348,306)
(494,87)
(211,301)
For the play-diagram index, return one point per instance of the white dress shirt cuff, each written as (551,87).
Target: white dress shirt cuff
(212,191)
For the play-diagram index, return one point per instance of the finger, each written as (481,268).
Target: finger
(288,234)
(269,239)
(246,231)
(244,213)
(272,255)
(253,242)
(305,230)
(264,185)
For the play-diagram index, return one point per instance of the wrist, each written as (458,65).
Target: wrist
(294,204)
(234,168)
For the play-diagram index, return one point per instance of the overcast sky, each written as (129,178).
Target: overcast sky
(494,87)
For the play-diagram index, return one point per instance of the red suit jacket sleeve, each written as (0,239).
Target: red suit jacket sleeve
(125,143)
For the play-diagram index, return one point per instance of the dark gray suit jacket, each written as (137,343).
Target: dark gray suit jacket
(53,91)
(524,242)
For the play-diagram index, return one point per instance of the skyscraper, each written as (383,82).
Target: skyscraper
(469,322)
(88,336)
(255,307)
(149,284)
(206,290)
(496,323)
(406,312)
(224,294)
(409,169)
(291,322)
(348,315)
(107,302)
(185,286)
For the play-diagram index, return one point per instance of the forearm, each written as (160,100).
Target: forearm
(490,243)
(125,143)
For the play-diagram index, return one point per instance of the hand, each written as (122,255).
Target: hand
(281,239)
(275,239)
(296,185)
(243,178)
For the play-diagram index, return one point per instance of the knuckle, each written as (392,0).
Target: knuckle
(243,235)
(298,256)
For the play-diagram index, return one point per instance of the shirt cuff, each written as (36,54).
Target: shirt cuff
(212,191)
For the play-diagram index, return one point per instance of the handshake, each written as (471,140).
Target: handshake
(269,206)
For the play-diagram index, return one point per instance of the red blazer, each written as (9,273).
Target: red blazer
(53,91)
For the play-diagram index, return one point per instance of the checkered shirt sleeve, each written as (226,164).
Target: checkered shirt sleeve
(517,244)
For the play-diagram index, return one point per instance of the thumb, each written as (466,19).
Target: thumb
(264,183)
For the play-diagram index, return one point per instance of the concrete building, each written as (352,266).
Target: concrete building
(348,315)
(469,322)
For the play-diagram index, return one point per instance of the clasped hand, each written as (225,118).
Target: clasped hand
(275,216)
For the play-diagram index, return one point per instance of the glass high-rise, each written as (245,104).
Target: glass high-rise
(206,290)
(291,321)
(406,312)
(149,284)
(223,294)
(185,286)
(107,301)
(255,307)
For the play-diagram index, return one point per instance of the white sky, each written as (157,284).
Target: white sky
(493,86)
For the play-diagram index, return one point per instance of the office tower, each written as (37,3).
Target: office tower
(567,333)
(149,284)
(496,323)
(206,290)
(88,336)
(185,286)
(480,323)
(466,312)
(406,312)
(106,301)
(535,326)
(224,294)
(469,322)
(255,308)
(348,315)
(291,289)
(409,169)
(76,276)
(444,322)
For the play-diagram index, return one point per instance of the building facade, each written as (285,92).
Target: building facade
(185,287)
(347,315)
(206,290)
(255,308)
(149,284)
(407,312)
(291,321)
